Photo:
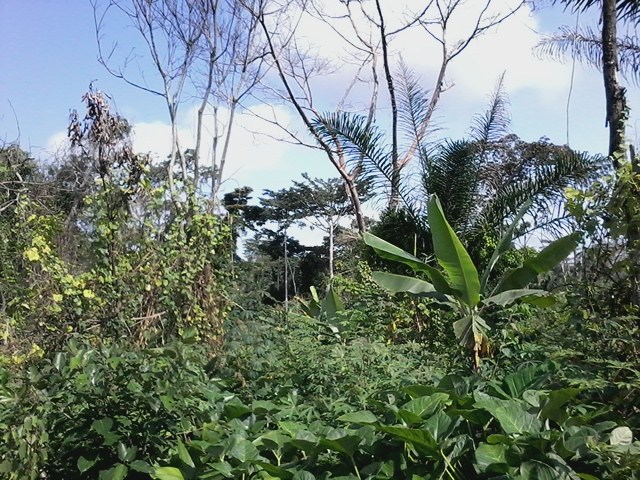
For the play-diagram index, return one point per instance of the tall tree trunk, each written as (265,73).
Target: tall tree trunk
(615,94)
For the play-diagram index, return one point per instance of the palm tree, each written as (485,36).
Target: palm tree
(609,53)
(481,181)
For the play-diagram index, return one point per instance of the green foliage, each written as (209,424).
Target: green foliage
(94,409)
(461,428)
(458,284)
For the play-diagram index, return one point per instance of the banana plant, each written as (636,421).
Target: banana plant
(457,283)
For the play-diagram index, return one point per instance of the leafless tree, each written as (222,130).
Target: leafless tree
(367,32)
(206,50)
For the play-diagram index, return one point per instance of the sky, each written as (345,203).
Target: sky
(49,57)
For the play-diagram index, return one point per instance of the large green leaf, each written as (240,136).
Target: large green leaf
(85,464)
(528,378)
(452,256)
(508,297)
(490,455)
(426,405)
(511,415)
(388,251)
(544,261)
(363,416)
(440,425)
(118,472)
(402,283)
(421,439)
(503,245)
(332,304)
(168,473)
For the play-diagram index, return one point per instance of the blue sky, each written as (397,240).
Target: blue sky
(48,58)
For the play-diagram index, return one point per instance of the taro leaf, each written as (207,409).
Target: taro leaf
(303,475)
(408,417)
(263,406)
(621,436)
(551,407)
(118,472)
(420,439)
(102,426)
(424,406)
(241,449)
(511,415)
(235,409)
(168,473)
(491,456)
(126,454)
(418,390)
(544,261)
(273,440)
(390,252)
(536,470)
(347,444)
(224,468)
(454,384)
(85,464)
(183,454)
(440,425)
(305,440)
(452,256)
(576,439)
(141,466)
(525,379)
(362,417)
(276,472)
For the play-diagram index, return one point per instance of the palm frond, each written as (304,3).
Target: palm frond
(451,171)
(413,105)
(493,124)
(628,10)
(363,147)
(545,183)
(585,45)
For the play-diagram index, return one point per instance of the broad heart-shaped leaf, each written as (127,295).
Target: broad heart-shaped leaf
(420,439)
(621,436)
(275,472)
(528,295)
(84,464)
(362,417)
(427,405)
(536,470)
(470,329)
(545,260)
(557,398)
(102,426)
(168,473)
(391,252)
(440,425)
(504,244)
(118,472)
(452,256)
(527,378)
(490,455)
(240,449)
(511,415)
